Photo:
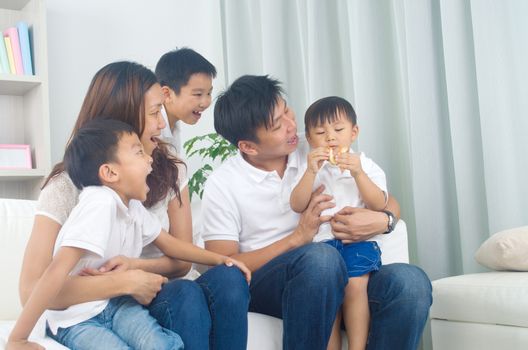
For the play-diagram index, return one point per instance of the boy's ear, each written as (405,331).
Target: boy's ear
(248,147)
(166,92)
(108,173)
(355,132)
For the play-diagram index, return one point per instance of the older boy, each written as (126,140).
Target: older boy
(186,79)
(247,215)
(106,159)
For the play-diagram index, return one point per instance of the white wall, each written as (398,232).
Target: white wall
(83,36)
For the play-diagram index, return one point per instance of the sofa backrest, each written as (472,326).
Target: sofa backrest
(16,221)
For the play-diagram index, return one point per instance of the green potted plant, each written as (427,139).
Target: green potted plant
(209,147)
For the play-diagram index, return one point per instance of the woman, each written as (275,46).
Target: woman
(208,313)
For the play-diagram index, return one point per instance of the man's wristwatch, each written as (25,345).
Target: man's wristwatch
(392,222)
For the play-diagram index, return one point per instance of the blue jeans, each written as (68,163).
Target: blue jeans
(123,324)
(305,288)
(399,300)
(209,313)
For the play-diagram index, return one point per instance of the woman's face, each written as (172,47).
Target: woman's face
(154,121)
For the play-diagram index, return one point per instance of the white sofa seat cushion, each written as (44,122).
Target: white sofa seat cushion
(492,298)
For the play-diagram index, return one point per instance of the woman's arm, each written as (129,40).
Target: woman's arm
(180,226)
(38,255)
(177,248)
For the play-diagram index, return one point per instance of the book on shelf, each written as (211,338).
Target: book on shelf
(4,62)
(12,34)
(25,47)
(10,58)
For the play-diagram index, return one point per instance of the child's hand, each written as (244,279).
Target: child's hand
(118,263)
(350,161)
(23,345)
(230,262)
(316,158)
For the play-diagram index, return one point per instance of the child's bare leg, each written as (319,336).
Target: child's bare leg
(356,312)
(334,343)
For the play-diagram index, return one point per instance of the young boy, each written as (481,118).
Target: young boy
(353,180)
(106,158)
(186,78)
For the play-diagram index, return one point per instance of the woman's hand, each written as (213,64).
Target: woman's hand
(230,262)
(23,345)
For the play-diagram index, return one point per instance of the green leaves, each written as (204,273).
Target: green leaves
(209,147)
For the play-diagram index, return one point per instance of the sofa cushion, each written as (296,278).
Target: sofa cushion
(16,220)
(493,298)
(505,250)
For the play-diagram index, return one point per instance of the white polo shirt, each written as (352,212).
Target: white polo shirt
(172,136)
(102,225)
(248,205)
(342,186)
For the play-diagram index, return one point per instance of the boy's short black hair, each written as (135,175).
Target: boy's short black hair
(327,109)
(93,145)
(245,106)
(174,69)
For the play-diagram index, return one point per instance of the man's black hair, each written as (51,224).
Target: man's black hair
(245,106)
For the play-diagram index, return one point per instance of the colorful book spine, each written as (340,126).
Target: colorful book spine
(12,34)
(10,57)
(25,48)
(4,62)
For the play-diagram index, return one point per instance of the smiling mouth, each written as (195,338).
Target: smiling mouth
(292,140)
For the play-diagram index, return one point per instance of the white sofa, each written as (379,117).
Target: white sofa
(16,219)
(482,311)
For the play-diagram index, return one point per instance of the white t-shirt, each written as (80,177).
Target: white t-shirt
(250,206)
(172,136)
(342,186)
(57,199)
(104,227)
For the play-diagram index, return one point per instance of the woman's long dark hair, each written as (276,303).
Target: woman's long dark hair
(118,91)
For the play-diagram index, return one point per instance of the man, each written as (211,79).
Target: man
(247,215)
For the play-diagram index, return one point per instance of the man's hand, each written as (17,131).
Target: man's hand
(23,345)
(311,218)
(358,224)
(144,286)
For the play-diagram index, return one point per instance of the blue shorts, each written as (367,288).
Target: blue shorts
(360,258)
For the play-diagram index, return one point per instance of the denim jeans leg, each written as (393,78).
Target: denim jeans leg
(305,288)
(227,294)
(181,307)
(399,299)
(88,335)
(133,323)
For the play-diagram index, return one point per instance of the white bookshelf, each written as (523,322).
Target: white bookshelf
(24,102)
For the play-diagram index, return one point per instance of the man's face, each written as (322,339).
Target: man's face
(280,139)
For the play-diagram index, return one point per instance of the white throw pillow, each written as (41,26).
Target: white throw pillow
(505,250)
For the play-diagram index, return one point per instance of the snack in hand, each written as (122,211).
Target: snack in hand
(332,156)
